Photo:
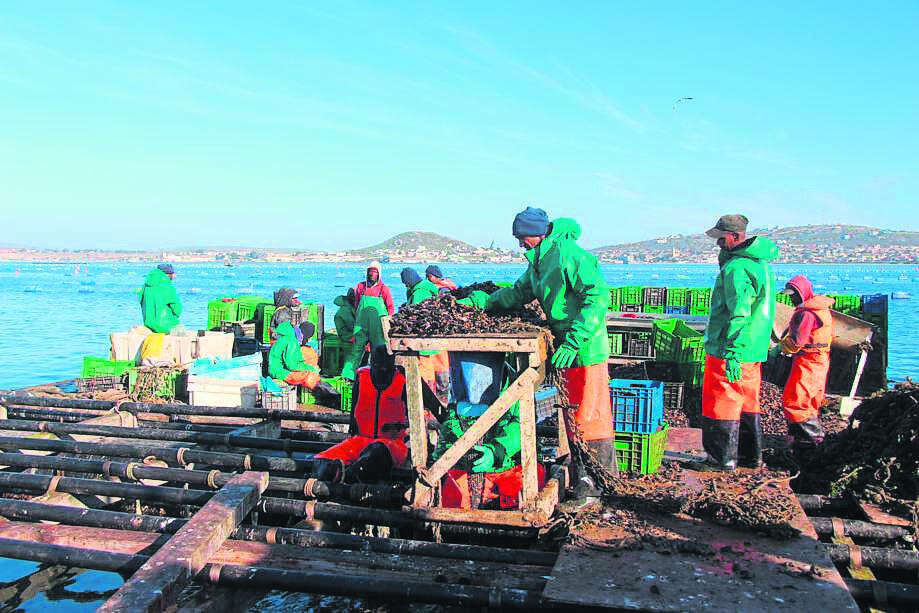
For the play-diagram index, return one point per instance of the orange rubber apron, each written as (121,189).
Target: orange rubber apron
(724,400)
(588,392)
(805,389)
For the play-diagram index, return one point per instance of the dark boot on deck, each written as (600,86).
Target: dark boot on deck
(750,441)
(719,438)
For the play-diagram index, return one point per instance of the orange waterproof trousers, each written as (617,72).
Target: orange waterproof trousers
(724,400)
(505,486)
(588,392)
(805,389)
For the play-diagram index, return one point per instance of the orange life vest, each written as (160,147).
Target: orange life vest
(822,336)
(380,414)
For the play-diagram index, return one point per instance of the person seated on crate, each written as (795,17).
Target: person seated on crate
(345,315)
(567,282)
(159,302)
(489,476)
(290,359)
(434,365)
(373,286)
(379,422)
(807,340)
(285,300)
(436,276)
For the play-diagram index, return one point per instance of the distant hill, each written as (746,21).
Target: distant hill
(415,241)
(815,244)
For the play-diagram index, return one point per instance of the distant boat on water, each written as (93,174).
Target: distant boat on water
(900,295)
(32,289)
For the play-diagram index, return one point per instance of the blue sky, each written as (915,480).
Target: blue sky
(173,124)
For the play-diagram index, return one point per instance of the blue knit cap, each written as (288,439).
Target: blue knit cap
(410,277)
(434,271)
(167,268)
(530,222)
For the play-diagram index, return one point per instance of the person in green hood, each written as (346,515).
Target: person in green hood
(290,359)
(736,344)
(434,365)
(159,303)
(345,315)
(416,288)
(368,330)
(566,281)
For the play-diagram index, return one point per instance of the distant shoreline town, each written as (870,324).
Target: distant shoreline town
(828,244)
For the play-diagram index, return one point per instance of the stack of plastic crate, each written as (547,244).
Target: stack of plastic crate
(638,417)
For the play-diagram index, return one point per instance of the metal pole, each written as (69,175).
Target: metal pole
(876,557)
(54,402)
(878,591)
(810,502)
(856,528)
(185,409)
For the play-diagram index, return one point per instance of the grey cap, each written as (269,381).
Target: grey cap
(728,223)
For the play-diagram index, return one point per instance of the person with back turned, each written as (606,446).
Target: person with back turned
(159,302)
(736,344)
(807,340)
(567,282)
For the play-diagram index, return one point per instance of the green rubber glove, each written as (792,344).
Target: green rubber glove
(564,356)
(486,463)
(347,371)
(732,369)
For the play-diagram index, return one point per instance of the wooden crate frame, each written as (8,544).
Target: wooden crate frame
(536,507)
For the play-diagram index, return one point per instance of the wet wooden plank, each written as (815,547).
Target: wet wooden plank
(528,458)
(702,566)
(875,514)
(157,583)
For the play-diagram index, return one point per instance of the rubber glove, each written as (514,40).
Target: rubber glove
(732,369)
(564,356)
(775,351)
(486,463)
(347,370)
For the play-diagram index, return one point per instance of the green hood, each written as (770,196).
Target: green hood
(566,280)
(285,356)
(159,303)
(743,302)
(341,301)
(157,278)
(286,329)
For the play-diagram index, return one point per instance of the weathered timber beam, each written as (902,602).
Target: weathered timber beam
(24,510)
(156,585)
(859,529)
(875,557)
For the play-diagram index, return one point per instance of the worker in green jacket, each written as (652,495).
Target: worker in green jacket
(290,359)
(344,316)
(368,330)
(159,303)
(567,282)
(416,288)
(736,344)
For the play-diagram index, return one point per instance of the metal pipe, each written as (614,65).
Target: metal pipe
(811,502)
(23,510)
(289,580)
(50,414)
(188,427)
(167,454)
(314,435)
(880,591)
(856,528)
(876,557)
(56,403)
(162,434)
(185,409)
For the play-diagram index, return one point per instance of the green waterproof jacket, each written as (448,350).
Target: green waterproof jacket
(159,303)
(423,290)
(285,356)
(367,329)
(503,439)
(743,302)
(567,282)
(344,318)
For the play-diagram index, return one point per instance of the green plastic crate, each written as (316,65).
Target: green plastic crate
(305,395)
(170,389)
(674,341)
(615,343)
(248,305)
(344,387)
(699,300)
(219,311)
(615,298)
(504,283)
(783,298)
(332,356)
(848,304)
(652,308)
(263,313)
(691,373)
(630,294)
(676,296)
(641,453)
(101,367)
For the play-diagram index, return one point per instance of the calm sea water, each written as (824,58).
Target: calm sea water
(51,316)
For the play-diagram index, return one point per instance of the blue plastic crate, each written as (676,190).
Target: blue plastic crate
(546,400)
(638,405)
(874,304)
(242,368)
(677,310)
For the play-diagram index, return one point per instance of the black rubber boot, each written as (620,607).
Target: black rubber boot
(327,470)
(750,441)
(719,438)
(373,465)
(585,487)
(807,434)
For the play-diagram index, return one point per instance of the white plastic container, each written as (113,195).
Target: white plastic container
(206,391)
(217,345)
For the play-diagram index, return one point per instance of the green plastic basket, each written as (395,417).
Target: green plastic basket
(652,308)
(332,357)
(783,298)
(615,298)
(691,373)
(170,389)
(630,294)
(676,296)
(699,300)
(101,367)
(641,453)
(248,306)
(615,343)
(219,311)
(848,304)
(674,341)
(344,387)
